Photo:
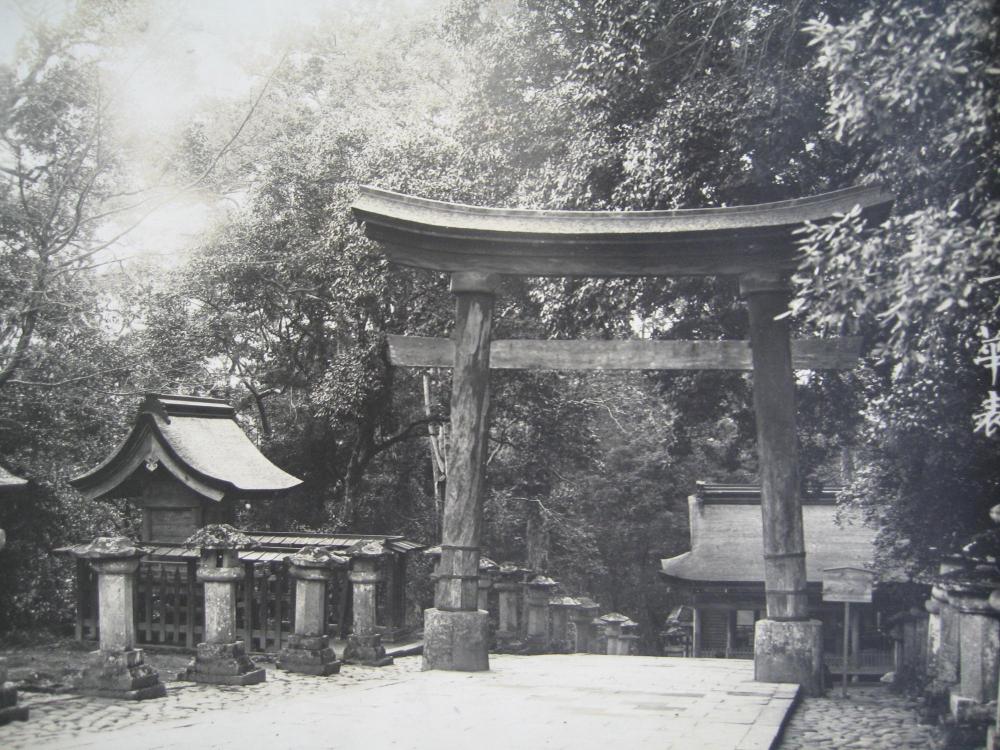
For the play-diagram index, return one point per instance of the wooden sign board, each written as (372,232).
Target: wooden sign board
(847,585)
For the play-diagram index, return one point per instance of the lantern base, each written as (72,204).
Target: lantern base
(223,664)
(120,674)
(309,654)
(367,650)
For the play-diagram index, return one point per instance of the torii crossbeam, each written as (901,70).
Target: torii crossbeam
(476,245)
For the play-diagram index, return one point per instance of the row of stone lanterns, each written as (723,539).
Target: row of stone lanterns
(963,633)
(532,618)
(117,669)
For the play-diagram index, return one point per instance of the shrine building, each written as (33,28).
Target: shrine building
(186,463)
(721,579)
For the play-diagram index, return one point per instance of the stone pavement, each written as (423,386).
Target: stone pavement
(870,717)
(524,702)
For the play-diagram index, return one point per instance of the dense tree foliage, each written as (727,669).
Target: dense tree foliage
(912,92)
(641,104)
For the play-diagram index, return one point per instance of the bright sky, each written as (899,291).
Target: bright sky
(182,54)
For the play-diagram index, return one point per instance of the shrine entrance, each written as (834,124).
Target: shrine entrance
(478,245)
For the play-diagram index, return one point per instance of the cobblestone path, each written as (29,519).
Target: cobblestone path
(871,717)
(62,716)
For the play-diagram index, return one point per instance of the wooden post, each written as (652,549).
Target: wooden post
(696,632)
(730,632)
(432,444)
(191,606)
(456,633)
(855,649)
(82,599)
(788,646)
(249,585)
(847,637)
(777,444)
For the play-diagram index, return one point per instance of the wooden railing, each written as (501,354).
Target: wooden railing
(169,605)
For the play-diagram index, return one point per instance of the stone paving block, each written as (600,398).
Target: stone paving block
(568,701)
(773,715)
(757,738)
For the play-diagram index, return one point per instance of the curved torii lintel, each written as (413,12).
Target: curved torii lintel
(454,237)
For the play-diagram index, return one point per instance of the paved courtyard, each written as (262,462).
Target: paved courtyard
(870,717)
(575,701)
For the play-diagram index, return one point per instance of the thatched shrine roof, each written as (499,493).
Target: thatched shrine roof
(727,536)
(198,441)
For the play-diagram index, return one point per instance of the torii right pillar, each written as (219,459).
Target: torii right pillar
(788,646)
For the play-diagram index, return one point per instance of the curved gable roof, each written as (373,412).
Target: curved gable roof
(198,441)
(727,538)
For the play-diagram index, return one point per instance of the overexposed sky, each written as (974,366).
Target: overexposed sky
(181,59)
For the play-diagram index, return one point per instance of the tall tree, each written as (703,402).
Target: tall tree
(913,92)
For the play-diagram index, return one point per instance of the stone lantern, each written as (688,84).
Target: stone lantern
(539,591)
(943,634)
(508,581)
(487,570)
(221,659)
(434,555)
(613,622)
(629,638)
(364,645)
(9,710)
(560,608)
(117,668)
(308,650)
(582,616)
(964,631)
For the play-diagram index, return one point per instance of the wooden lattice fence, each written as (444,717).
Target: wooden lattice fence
(169,605)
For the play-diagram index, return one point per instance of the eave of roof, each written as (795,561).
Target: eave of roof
(733,240)
(10,482)
(199,442)
(739,494)
(727,542)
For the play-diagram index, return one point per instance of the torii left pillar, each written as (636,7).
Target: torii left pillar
(788,645)
(456,631)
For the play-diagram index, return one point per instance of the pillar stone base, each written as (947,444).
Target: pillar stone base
(367,650)
(120,674)
(309,654)
(456,641)
(223,664)
(789,652)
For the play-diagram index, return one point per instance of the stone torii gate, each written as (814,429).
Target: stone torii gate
(478,245)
